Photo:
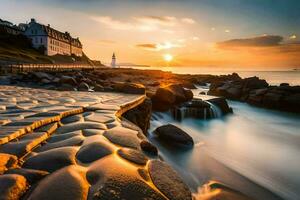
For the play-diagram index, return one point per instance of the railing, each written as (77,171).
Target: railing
(17,68)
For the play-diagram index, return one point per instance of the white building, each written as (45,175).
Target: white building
(52,41)
(113,60)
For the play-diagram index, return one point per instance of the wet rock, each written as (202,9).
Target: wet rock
(66,87)
(73,141)
(60,137)
(93,151)
(13,186)
(141,115)
(72,119)
(68,80)
(98,88)
(222,104)
(42,76)
(7,161)
(100,118)
(123,136)
(149,148)
(91,132)
(74,185)
(80,126)
(169,95)
(133,155)
(110,179)
(31,175)
(52,160)
(174,136)
(168,181)
(130,88)
(83,87)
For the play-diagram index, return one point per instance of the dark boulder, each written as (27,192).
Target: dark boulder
(140,115)
(130,88)
(221,103)
(174,136)
(166,97)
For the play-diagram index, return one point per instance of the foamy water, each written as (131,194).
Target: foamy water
(255,151)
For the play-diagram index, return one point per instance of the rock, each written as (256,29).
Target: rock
(98,88)
(272,100)
(42,76)
(52,160)
(284,84)
(202,93)
(45,81)
(111,179)
(60,137)
(254,83)
(66,87)
(68,80)
(140,115)
(131,88)
(188,85)
(93,151)
(149,148)
(79,126)
(72,119)
(83,87)
(222,104)
(168,181)
(123,136)
(73,141)
(31,175)
(12,186)
(133,155)
(66,183)
(188,95)
(291,103)
(169,95)
(7,161)
(174,136)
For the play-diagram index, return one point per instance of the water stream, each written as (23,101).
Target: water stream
(254,150)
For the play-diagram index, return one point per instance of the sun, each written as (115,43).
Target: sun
(168,57)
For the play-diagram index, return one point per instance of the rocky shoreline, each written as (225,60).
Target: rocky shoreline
(89,130)
(76,145)
(159,86)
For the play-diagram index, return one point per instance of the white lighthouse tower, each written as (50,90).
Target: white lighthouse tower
(113,60)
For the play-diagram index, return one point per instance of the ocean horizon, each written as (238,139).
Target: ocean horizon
(273,77)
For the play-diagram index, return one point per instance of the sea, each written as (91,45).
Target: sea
(272,77)
(255,151)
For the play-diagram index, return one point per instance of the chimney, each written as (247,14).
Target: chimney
(32,20)
(48,25)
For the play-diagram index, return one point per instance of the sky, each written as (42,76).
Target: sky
(246,34)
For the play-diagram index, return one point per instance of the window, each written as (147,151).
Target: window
(36,40)
(41,40)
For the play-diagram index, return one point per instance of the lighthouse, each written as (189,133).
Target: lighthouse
(113,60)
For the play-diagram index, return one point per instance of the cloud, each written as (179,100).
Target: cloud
(188,20)
(143,23)
(114,24)
(158,20)
(158,46)
(261,41)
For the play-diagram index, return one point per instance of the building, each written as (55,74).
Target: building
(52,41)
(9,28)
(113,60)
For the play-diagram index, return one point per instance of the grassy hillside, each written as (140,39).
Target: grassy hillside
(18,49)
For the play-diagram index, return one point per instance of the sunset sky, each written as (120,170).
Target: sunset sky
(251,34)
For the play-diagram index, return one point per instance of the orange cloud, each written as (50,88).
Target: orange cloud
(262,41)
